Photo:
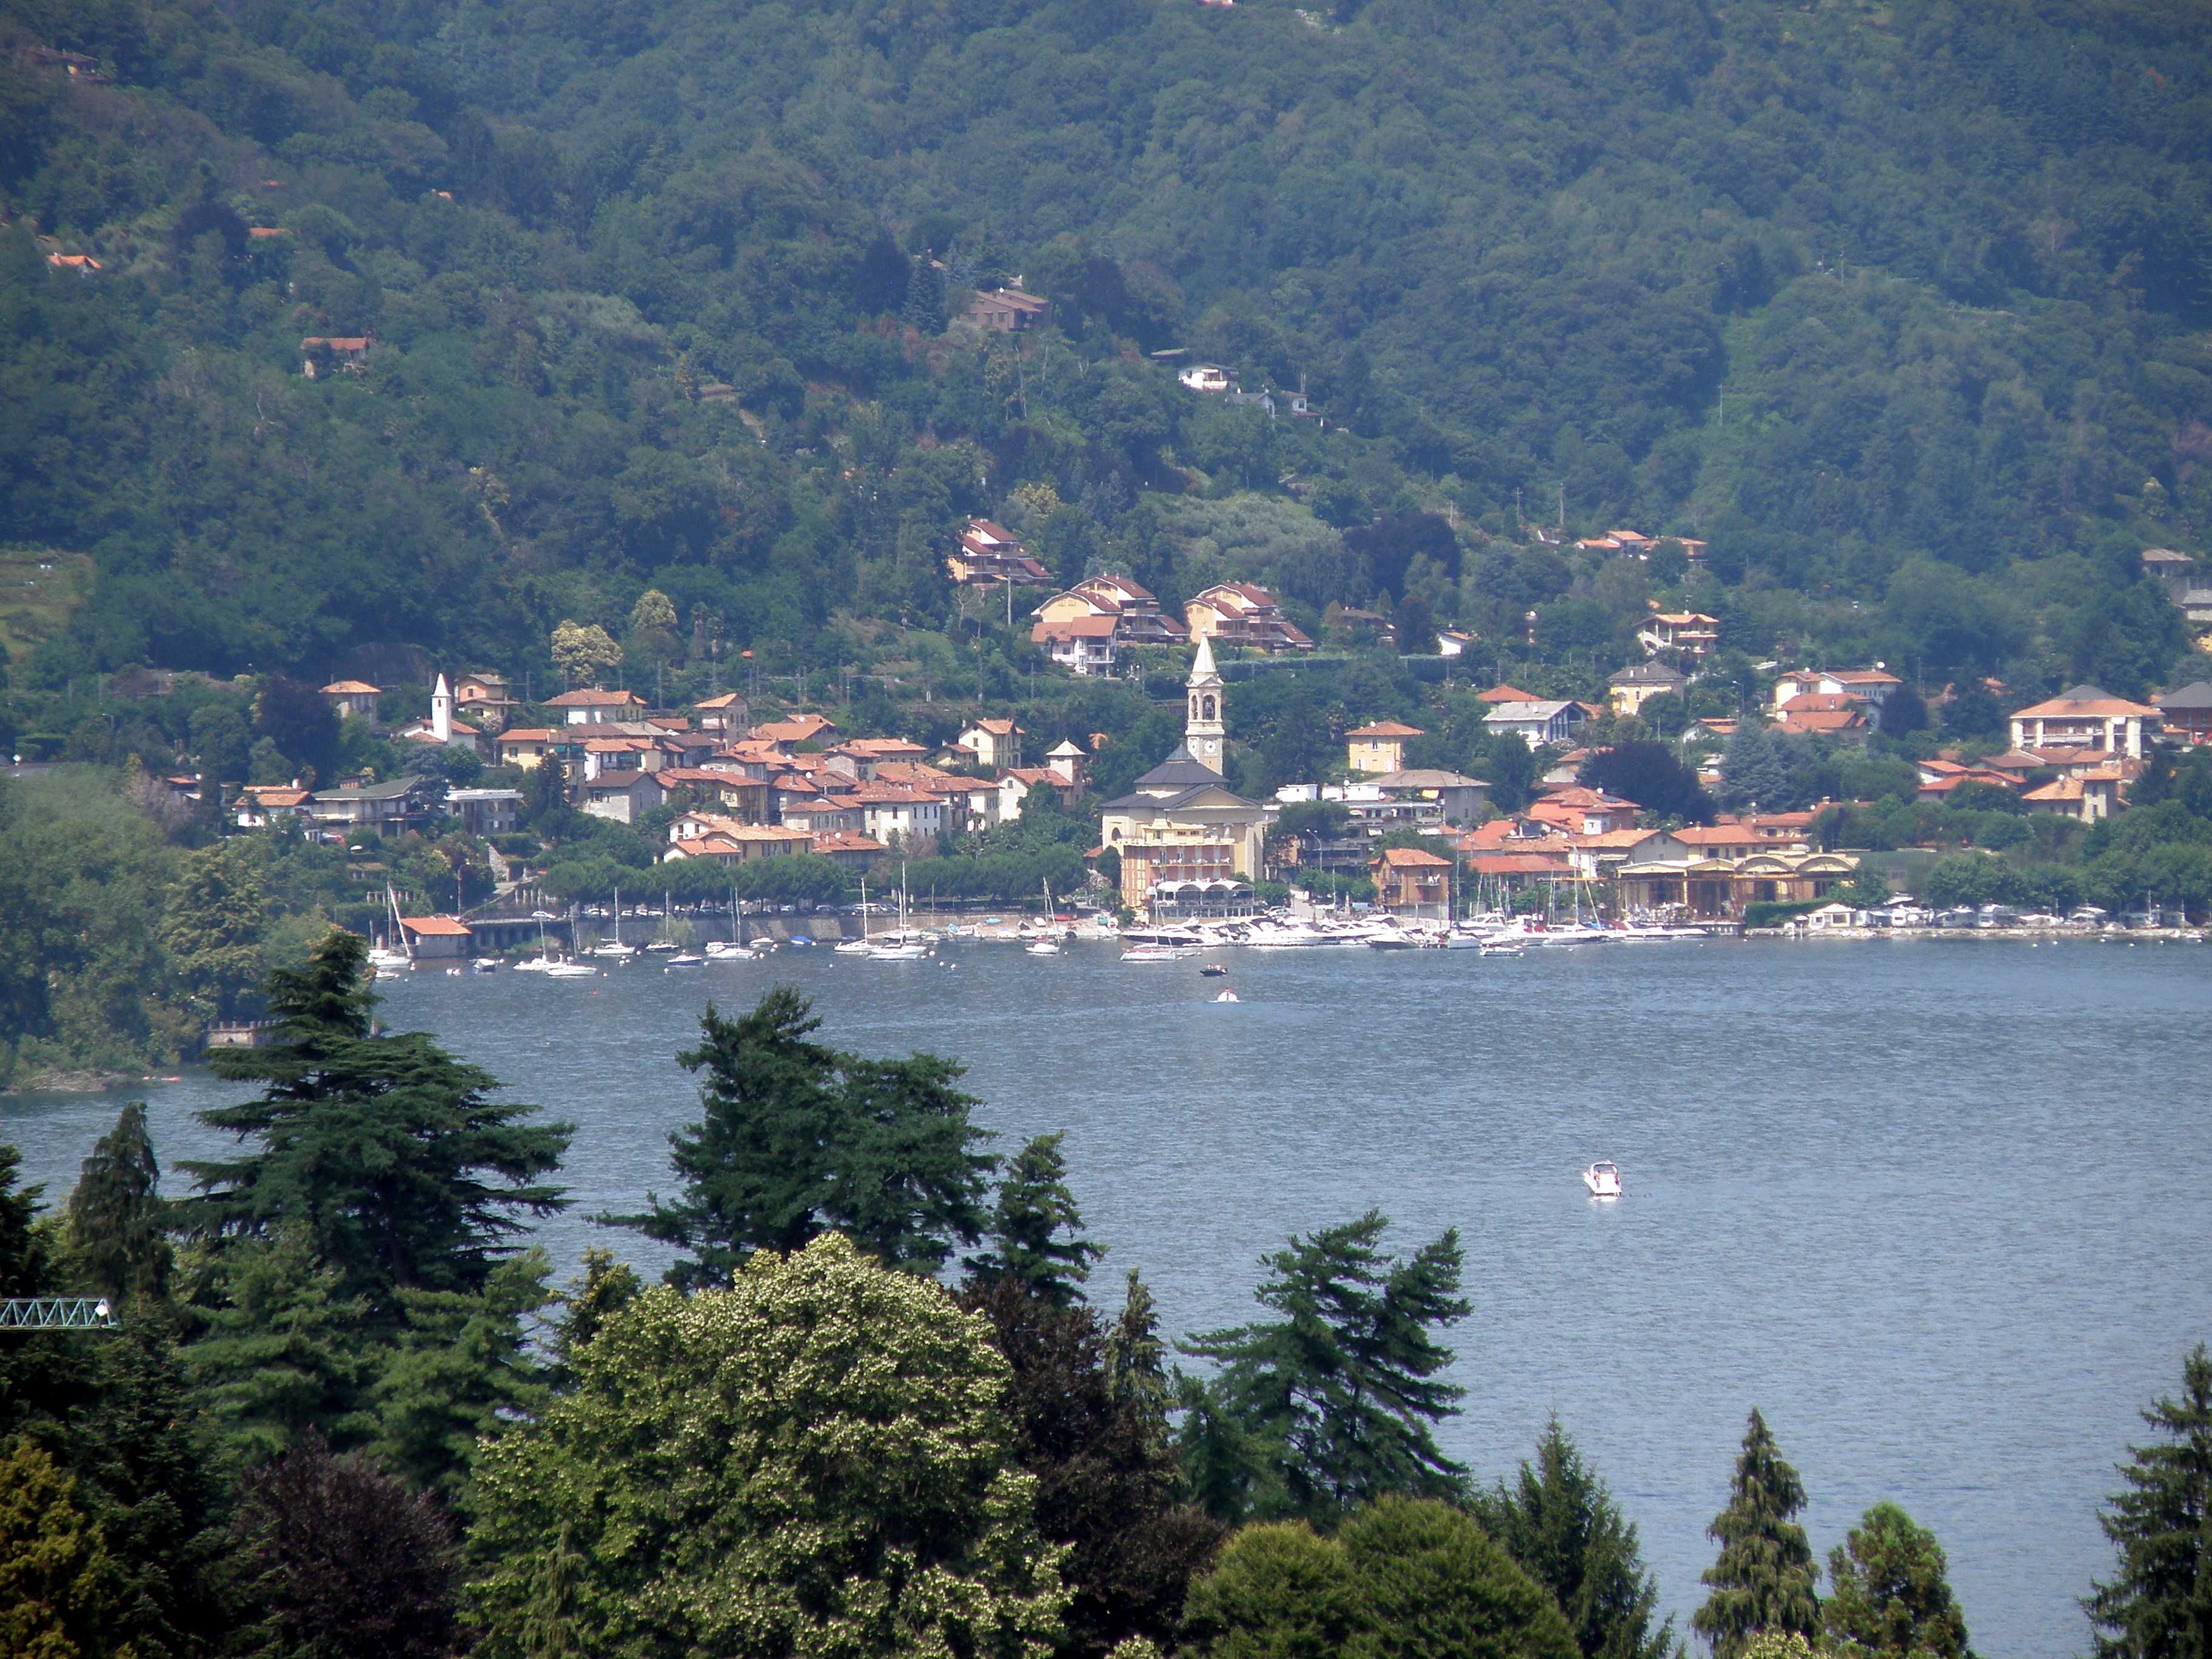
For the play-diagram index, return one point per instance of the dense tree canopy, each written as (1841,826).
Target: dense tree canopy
(811,1460)
(1898,311)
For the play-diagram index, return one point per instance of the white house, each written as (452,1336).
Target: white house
(1537,723)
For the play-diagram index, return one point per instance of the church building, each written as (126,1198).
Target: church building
(1189,844)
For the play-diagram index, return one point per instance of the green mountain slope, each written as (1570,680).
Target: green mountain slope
(1902,308)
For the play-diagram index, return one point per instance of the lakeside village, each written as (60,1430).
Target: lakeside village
(1181,861)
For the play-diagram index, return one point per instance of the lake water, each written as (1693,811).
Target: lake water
(1937,1208)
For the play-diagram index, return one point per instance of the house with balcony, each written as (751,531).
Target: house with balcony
(590,706)
(988,556)
(485,811)
(1087,627)
(1242,614)
(1691,632)
(1538,723)
(403,803)
(2085,718)
(2185,716)
(1412,883)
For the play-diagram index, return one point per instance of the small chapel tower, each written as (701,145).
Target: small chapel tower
(441,712)
(1203,732)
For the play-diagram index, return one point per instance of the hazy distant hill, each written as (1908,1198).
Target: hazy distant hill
(1902,308)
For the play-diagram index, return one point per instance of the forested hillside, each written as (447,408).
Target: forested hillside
(1902,308)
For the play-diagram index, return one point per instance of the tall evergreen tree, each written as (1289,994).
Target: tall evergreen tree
(1335,1403)
(23,1265)
(114,1414)
(1036,1230)
(118,1216)
(1764,1578)
(461,1370)
(406,1174)
(282,1349)
(1559,1522)
(796,1139)
(2159,1604)
(1888,1597)
(1136,1367)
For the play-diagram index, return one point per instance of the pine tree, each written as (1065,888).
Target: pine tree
(387,1150)
(1764,1578)
(2159,1604)
(23,1265)
(1889,1598)
(1034,1209)
(1136,1359)
(1560,1524)
(283,1349)
(461,1370)
(796,1139)
(117,1218)
(1339,1395)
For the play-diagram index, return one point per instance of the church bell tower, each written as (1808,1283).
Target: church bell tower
(1204,733)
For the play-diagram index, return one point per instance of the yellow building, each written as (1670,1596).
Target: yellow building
(1188,843)
(1380,747)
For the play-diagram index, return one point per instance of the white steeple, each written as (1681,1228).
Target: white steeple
(441,712)
(1204,732)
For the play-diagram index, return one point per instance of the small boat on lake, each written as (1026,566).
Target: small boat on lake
(1229,996)
(1603,1179)
(1212,970)
(1152,953)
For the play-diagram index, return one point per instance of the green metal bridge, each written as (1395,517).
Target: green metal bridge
(56,1313)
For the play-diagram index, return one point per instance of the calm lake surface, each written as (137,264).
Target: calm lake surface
(1937,1208)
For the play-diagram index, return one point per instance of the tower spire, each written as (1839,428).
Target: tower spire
(1204,731)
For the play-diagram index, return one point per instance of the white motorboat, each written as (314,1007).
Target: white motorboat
(486,965)
(1154,953)
(899,947)
(570,970)
(685,959)
(1229,996)
(1043,947)
(1603,1179)
(1493,949)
